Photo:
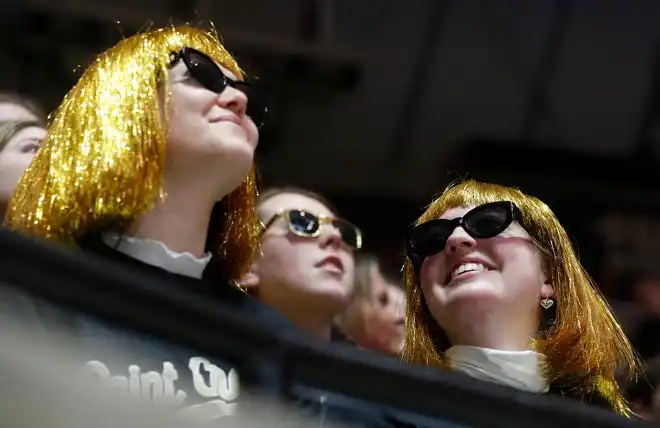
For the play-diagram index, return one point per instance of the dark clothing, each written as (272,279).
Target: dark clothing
(163,372)
(203,387)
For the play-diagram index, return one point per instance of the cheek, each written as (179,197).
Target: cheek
(12,167)
(430,272)
(188,101)
(520,264)
(349,266)
(283,259)
(252,131)
(13,164)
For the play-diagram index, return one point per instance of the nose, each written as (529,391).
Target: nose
(234,100)
(459,239)
(330,236)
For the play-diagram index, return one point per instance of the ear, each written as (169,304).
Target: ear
(547,290)
(250,281)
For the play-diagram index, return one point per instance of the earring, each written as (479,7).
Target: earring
(547,303)
(238,286)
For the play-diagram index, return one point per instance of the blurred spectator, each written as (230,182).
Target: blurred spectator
(19,141)
(644,291)
(642,395)
(18,107)
(306,265)
(374,318)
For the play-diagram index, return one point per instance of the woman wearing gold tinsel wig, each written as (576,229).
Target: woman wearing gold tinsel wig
(148,163)
(494,289)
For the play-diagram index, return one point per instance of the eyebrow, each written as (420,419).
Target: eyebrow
(22,141)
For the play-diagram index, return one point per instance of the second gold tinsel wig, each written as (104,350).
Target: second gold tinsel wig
(101,165)
(584,344)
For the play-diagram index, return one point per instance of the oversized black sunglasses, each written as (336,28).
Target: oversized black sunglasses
(203,69)
(482,222)
(305,224)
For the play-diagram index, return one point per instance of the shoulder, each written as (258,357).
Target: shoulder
(585,390)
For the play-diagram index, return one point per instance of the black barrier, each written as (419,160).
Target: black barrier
(82,282)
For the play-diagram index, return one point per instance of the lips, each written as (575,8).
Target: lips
(232,119)
(332,262)
(467,265)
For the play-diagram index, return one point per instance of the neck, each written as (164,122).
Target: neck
(312,323)
(180,220)
(310,318)
(503,342)
(495,333)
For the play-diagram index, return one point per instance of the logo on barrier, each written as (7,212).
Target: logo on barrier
(217,390)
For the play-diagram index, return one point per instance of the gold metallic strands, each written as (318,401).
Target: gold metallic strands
(101,165)
(584,345)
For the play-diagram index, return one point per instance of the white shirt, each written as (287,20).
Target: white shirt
(157,254)
(516,369)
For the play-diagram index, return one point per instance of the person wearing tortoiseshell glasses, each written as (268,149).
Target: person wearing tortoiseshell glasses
(494,289)
(306,266)
(306,271)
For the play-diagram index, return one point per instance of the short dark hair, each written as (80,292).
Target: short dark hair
(274,191)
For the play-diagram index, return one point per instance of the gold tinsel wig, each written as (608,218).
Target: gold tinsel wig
(584,344)
(101,164)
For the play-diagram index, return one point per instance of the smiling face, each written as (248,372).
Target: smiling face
(500,308)
(298,270)
(475,282)
(209,131)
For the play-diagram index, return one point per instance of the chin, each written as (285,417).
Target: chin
(333,290)
(473,291)
(240,159)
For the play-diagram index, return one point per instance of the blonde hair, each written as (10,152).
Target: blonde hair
(101,165)
(584,344)
(365,263)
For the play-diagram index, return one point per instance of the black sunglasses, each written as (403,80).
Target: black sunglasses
(482,222)
(203,69)
(308,225)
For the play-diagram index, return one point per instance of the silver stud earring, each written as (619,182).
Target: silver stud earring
(547,303)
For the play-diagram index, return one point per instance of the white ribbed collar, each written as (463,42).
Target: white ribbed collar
(157,254)
(516,369)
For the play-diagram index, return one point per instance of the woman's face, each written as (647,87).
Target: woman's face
(475,283)
(296,270)
(16,156)
(209,132)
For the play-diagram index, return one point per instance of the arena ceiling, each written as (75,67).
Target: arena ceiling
(393,90)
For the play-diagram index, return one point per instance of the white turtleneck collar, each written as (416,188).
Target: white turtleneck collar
(157,254)
(516,369)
